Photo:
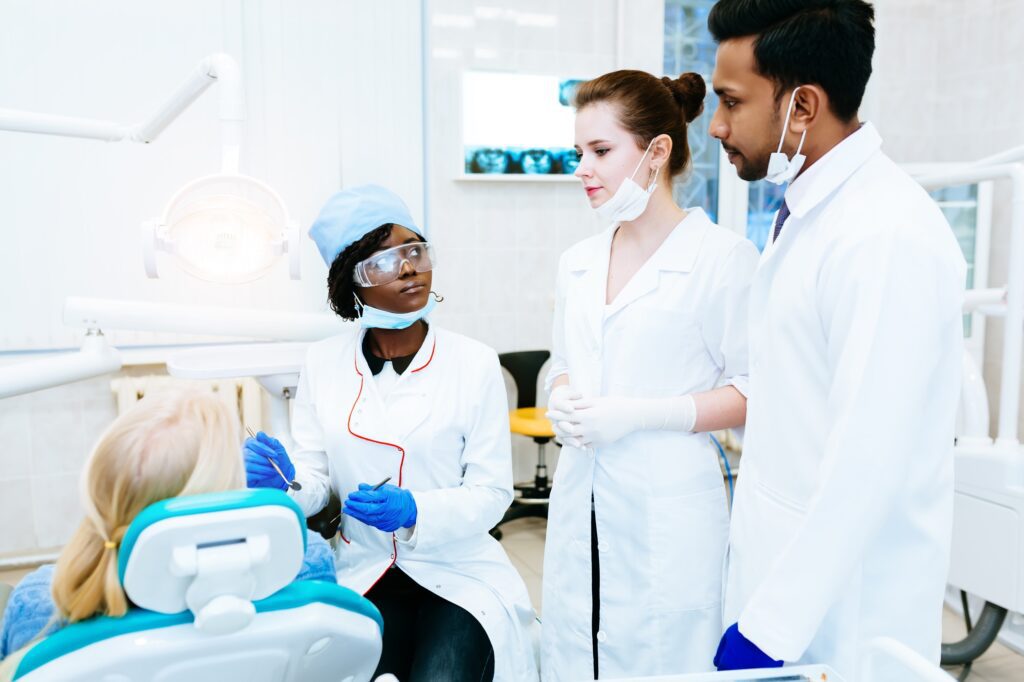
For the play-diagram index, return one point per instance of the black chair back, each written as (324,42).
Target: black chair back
(524,366)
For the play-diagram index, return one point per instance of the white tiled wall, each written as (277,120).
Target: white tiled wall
(947,77)
(46,437)
(949,86)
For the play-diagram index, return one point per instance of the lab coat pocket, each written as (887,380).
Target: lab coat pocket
(777,499)
(689,534)
(769,525)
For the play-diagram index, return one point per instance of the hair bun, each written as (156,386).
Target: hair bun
(688,90)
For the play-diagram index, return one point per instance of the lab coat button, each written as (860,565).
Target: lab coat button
(601,636)
(602,546)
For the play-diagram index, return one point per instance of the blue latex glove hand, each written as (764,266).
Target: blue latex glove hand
(258,471)
(736,652)
(388,508)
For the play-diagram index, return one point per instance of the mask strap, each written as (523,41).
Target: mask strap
(641,162)
(359,304)
(785,126)
(437,297)
(801,145)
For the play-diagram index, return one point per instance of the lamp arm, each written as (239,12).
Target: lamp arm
(95,358)
(215,68)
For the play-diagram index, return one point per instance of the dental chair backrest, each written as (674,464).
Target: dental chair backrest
(210,577)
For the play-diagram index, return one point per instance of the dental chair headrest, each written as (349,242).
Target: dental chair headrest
(213,554)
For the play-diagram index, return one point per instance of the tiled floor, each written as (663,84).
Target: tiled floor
(524,542)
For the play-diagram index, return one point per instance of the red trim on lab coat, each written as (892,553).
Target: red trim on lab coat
(429,360)
(401,464)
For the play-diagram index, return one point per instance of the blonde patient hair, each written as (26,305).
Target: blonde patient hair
(170,443)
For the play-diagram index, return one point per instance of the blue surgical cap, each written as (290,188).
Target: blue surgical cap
(351,214)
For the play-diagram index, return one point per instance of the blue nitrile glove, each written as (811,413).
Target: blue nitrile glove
(258,471)
(388,508)
(736,652)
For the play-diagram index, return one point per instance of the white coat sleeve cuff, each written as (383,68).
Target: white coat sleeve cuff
(741,383)
(407,537)
(310,499)
(553,375)
(768,637)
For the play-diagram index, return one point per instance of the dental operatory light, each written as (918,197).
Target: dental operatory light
(226,228)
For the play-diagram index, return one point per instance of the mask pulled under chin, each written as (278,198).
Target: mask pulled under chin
(630,199)
(375,318)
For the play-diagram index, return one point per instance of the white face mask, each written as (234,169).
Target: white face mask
(781,168)
(630,200)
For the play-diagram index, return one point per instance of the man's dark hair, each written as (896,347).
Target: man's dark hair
(825,42)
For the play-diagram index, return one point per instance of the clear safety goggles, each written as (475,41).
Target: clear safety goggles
(386,266)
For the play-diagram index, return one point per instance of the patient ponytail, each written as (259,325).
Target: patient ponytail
(86,581)
(168,444)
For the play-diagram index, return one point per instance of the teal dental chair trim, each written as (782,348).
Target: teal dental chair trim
(79,635)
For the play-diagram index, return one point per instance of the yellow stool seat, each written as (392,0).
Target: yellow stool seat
(530,421)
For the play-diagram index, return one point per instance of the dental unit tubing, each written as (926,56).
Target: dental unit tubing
(94,359)
(94,313)
(1013,329)
(216,68)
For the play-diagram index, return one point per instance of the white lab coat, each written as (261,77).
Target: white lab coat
(677,327)
(842,519)
(443,433)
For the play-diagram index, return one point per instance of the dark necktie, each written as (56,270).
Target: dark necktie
(781,218)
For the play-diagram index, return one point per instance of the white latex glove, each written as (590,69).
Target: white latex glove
(595,422)
(560,412)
